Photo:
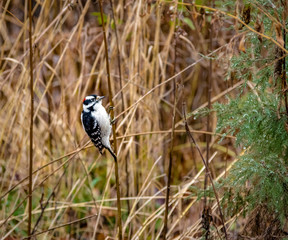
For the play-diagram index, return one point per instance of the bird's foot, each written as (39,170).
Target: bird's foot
(112,121)
(110,108)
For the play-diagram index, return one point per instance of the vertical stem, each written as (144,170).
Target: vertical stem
(31,120)
(118,54)
(206,210)
(191,138)
(284,82)
(119,220)
(172,138)
(170,166)
(122,97)
(49,101)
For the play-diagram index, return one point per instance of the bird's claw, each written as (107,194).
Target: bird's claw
(113,121)
(110,108)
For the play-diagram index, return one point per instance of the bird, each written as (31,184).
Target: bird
(97,123)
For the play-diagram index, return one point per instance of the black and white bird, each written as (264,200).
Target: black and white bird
(96,122)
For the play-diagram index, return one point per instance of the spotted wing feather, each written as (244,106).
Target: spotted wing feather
(92,129)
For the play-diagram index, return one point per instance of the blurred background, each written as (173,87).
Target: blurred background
(161,54)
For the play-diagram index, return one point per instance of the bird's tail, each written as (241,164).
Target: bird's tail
(112,153)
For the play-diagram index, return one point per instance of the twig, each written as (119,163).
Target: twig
(60,226)
(119,220)
(206,209)
(43,207)
(172,141)
(31,120)
(206,166)
(42,182)
(49,102)
(71,154)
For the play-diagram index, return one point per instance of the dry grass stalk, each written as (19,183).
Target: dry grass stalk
(70,63)
(31,119)
(119,218)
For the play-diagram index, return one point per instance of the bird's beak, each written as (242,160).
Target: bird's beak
(100,98)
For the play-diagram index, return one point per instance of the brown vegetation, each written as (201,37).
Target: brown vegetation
(159,61)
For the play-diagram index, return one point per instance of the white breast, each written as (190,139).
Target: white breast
(103,119)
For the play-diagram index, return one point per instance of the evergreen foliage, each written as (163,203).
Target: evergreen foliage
(260,175)
(258,117)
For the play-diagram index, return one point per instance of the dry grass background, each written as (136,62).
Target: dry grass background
(71,180)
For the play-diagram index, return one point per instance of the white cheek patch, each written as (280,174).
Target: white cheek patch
(90,104)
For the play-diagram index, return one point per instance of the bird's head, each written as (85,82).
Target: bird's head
(91,102)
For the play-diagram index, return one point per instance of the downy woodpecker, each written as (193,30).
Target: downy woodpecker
(96,122)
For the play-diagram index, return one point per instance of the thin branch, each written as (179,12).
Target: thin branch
(73,153)
(31,120)
(206,209)
(43,207)
(119,220)
(206,166)
(49,102)
(60,226)
(41,183)
(165,229)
